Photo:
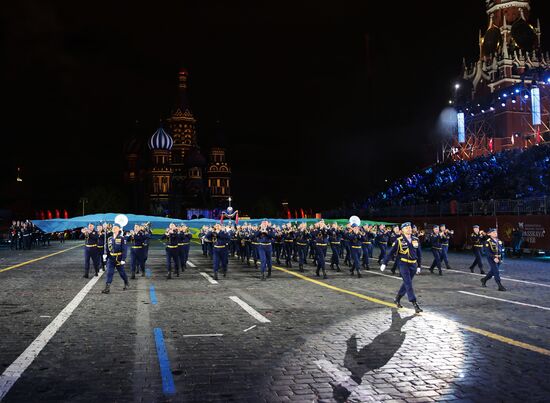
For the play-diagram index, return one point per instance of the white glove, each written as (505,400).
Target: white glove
(418,270)
(104,258)
(122,262)
(382,267)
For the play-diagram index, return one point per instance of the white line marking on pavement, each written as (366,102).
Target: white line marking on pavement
(45,316)
(505,300)
(380,274)
(483,275)
(204,335)
(210,279)
(255,314)
(16,369)
(191,264)
(250,328)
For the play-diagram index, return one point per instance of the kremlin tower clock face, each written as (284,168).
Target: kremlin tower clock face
(523,34)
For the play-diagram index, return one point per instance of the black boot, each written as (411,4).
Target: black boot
(143,273)
(97,272)
(107,289)
(133,276)
(169,275)
(500,286)
(86,275)
(484,282)
(301,267)
(126,286)
(177,272)
(351,270)
(263,276)
(338,268)
(359,275)
(332,266)
(481,271)
(417,309)
(440,272)
(224,271)
(215,275)
(472,269)
(317,272)
(397,301)
(324,274)
(268,273)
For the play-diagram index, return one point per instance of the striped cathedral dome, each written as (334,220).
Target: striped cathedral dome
(161,140)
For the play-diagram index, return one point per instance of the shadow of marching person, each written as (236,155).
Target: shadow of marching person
(372,356)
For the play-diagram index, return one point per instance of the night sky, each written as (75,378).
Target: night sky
(320,101)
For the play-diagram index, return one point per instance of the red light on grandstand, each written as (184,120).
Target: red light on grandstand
(65,214)
(49,215)
(57,215)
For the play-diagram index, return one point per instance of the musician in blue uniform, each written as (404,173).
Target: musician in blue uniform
(171,236)
(264,236)
(137,238)
(184,242)
(101,238)
(445,239)
(288,242)
(478,239)
(116,257)
(219,239)
(382,241)
(355,241)
(392,237)
(320,237)
(90,250)
(301,238)
(495,254)
(409,260)
(435,242)
(335,239)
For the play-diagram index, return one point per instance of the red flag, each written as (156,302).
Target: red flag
(65,214)
(295,214)
(49,215)
(57,215)
(42,215)
(302,212)
(221,218)
(237,218)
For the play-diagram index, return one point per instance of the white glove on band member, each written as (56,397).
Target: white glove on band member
(418,270)
(382,267)
(122,262)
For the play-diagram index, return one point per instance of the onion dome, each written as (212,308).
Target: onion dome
(524,35)
(161,140)
(194,158)
(492,40)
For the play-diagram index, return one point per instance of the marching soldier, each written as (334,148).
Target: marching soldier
(335,239)
(382,241)
(392,237)
(495,254)
(320,237)
(138,238)
(264,236)
(171,236)
(301,239)
(219,239)
(409,260)
(288,239)
(116,256)
(90,250)
(355,242)
(184,243)
(478,238)
(445,239)
(100,245)
(435,242)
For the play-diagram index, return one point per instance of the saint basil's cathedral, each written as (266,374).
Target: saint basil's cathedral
(168,175)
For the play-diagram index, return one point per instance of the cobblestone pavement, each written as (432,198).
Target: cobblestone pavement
(300,342)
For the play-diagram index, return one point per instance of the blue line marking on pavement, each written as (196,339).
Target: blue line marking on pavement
(167,381)
(148,273)
(153,295)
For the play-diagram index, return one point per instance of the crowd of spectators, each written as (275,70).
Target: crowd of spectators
(514,174)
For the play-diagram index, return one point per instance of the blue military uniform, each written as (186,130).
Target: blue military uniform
(90,253)
(288,240)
(477,246)
(219,240)
(265,238)
(382,242)
(495,251)
(116,254)
(320,238)
(184,243)
(435,242)
(445,239)
(137,254)
(335,239)
(301,239)
(408,255)
(355,243)
(172,253)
